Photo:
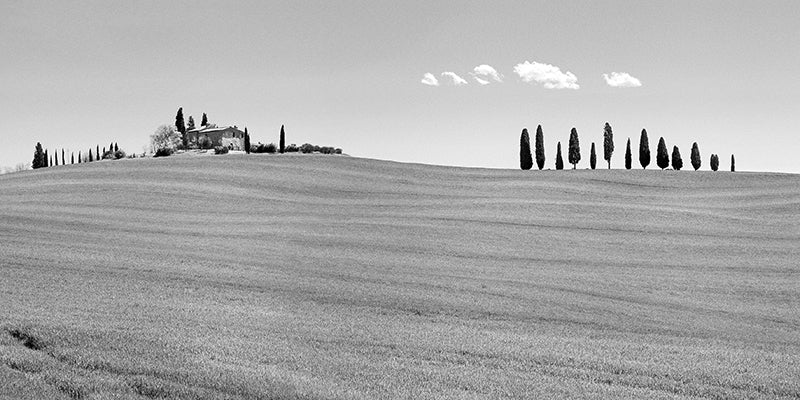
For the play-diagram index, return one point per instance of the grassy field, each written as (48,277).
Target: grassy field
(303,276)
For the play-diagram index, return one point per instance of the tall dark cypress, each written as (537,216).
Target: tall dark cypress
(63,159)
(644,150)
(246,141)
(204,120)
(525,159)
(50,161)
(559,160)
(695,156)
(116,148)
(714,162)
(56,158)
(80,157)
(72,158)
(180,126)
(677,162)
(90,155)
(98,155)
(733,164)
(662,157)
(628,155)
(46,158)
(282,144)
(574,155)
(539,147)
(592,158)
(39,159)
(608,144)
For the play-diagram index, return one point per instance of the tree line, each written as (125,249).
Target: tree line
(42,158)
(663,158)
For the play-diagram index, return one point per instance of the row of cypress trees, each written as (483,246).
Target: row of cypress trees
(42,158)
(663,159)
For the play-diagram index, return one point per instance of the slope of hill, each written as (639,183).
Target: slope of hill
(336,277)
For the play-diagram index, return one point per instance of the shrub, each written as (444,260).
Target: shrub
(338,151)
(292,148)
(306,148)
(220,150)
(206,143)
(162,152)
(108,155)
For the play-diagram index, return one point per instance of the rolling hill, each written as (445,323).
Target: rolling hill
(302,276)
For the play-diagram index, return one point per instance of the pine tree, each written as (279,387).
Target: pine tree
(539,147)
(559,160)
(662,157)
(525,159)
(733,164)
(90,155)
(574,155)
(246,141)
(39,159)
(282,144)
(608,144)
(180,126)
(190,124)
(695,156)
(628,155)
(204,120)
(714,162)
(677,162)
(592,158)
(644,150)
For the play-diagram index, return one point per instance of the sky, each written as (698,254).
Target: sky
(360,75)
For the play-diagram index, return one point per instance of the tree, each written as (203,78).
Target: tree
(644,150)
(733,164)
(677,162)
(72,158)
(525,159)
(39,159)
(165,137)
(662,157)
(282,143)
(559,160)
(592,157)
(574,155)
(90,155)
(246,141)
(628,155)
(608,144)
(181,127)
(47,159)
(63,159)
(695,156)
(714,162)
(204,120)
(539,147)
(79,156)
(56,158)
(97,154)
(50,162)
(190,124)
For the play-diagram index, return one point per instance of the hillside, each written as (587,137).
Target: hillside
(301,276)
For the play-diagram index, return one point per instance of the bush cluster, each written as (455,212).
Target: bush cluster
(220,150)
(113,155)
(264,148)
(163,152)
(308,148)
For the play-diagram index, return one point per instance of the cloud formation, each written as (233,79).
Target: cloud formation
(621,79)
(550,76)
(429,79)
(482,73)
(456,80)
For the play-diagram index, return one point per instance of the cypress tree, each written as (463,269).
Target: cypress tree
(90,155)
(662,157)
(592,157)
(644,150)
(79,156)
(525,159)
(63,159)
(180,126)
(628,155)
(72,158)
(38,157)
(574,155)
(539,147)
(56,158)
(282,145)
(733,164)
(677,162)
(608,144)
(204,120)
(559,160)
(246,141)
(98,154)
(190,124)
(714,162)
(50,162)
(116,148)
(695,156)
(46,159)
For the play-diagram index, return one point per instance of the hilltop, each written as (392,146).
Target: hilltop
(302,276)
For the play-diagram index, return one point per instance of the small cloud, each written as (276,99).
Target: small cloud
(548,75)
(481,81)
(429,79)
(621,79)
(457,80)
(483,72)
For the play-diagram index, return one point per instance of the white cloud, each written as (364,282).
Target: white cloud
(429,79)
(548,75)
(483,72)
(481,81)
(621,79)
(457,80)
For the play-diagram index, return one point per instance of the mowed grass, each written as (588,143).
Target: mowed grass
(302,276)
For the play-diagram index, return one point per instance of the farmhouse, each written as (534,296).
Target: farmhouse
(226,136)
